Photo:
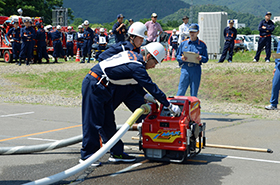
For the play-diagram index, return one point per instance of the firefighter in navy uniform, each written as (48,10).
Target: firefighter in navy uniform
(266,28)
(230,34)
(174,41)
(41,43)
(97,110)
(69,43)
(79,37)
(102,41)
(126,93)
(58,51)
(27,34)
(88,41)
(119,29)
(14,34)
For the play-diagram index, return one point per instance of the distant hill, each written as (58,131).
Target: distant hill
(106,11)
(255,7)
(250,20)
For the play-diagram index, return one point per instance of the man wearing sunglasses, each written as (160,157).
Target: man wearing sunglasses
(153,27)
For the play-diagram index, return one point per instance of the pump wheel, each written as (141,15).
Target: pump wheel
(8,57)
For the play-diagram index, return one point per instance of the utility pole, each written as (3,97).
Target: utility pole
(191,11)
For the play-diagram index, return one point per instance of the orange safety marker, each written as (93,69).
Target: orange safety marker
(173,55)
(78,55)
(168,54)
(165,59)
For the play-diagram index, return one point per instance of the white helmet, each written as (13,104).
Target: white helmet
(86,22)
(58,27)
(80,26)
(102,30)
(110,31)
(157,51)
(174,30)
(138,29)
(69,28)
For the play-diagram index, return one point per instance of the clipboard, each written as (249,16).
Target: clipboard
(192,57)
(276,55)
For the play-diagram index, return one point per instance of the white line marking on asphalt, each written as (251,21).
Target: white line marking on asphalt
(40,139)
(19,114)
(128,168)
(241,158)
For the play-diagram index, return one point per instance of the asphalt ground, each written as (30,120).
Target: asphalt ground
(38,124)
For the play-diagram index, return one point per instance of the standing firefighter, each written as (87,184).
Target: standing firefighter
(88,41)
(174,40)
(58,51)
(102,41)
(80,39)
(230,34)
(41,44)
(27,34)
(119,29)
(266,28)
(69,43)
(14,33)
(97,110)
(191,72)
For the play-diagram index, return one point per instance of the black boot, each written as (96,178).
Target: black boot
(20,60)
(83,61)
(55,60)
(27,62)
(88,59)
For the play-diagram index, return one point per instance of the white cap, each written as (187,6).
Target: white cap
(157,50)
(69,28)
(138,29)
(58,27)
(154,15)
(80,26)
(86,22)
(101,30)
(174,30)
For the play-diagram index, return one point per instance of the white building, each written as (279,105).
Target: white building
(276,18)
(238,25)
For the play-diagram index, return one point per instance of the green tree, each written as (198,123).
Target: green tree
(244,31)
(32,8)
(277,29)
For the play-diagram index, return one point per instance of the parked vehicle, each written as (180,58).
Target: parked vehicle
(238,45)
(248,43)
(255,40)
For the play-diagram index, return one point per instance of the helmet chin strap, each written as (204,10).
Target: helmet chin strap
(132,40)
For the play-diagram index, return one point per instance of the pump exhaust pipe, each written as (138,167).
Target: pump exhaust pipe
(239,148)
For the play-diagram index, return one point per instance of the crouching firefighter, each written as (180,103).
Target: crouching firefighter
(97,111)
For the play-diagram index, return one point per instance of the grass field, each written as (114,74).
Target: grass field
(221,82)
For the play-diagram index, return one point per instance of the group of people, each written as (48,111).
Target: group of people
(121,76)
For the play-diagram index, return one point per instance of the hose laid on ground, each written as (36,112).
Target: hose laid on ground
(40,148)
(239,148)
(144,109)
(48,146)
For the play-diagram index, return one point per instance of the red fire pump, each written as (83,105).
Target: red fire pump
(169,138)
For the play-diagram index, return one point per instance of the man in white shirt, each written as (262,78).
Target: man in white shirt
(184,29)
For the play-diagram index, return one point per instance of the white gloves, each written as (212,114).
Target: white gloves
(175,109)
(149,98)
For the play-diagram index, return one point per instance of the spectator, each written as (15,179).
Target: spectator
(184,29)
(119,29)
(153,27)
(266,28)
(230,34)
(174,40)
(191,72)
(275,84)
(130,23)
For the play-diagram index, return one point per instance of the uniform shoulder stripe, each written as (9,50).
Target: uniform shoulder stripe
(202,42)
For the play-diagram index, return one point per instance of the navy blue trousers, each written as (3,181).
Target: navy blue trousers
(16,49)
(97,117)
(87,45)
(275,86)
(58,49)
(26,50)
(266,41)
(228,47)
(69,51)
(42,50)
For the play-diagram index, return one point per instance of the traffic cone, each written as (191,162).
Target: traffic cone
(165,59)
(168,55)
(173,55)
(78,55)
